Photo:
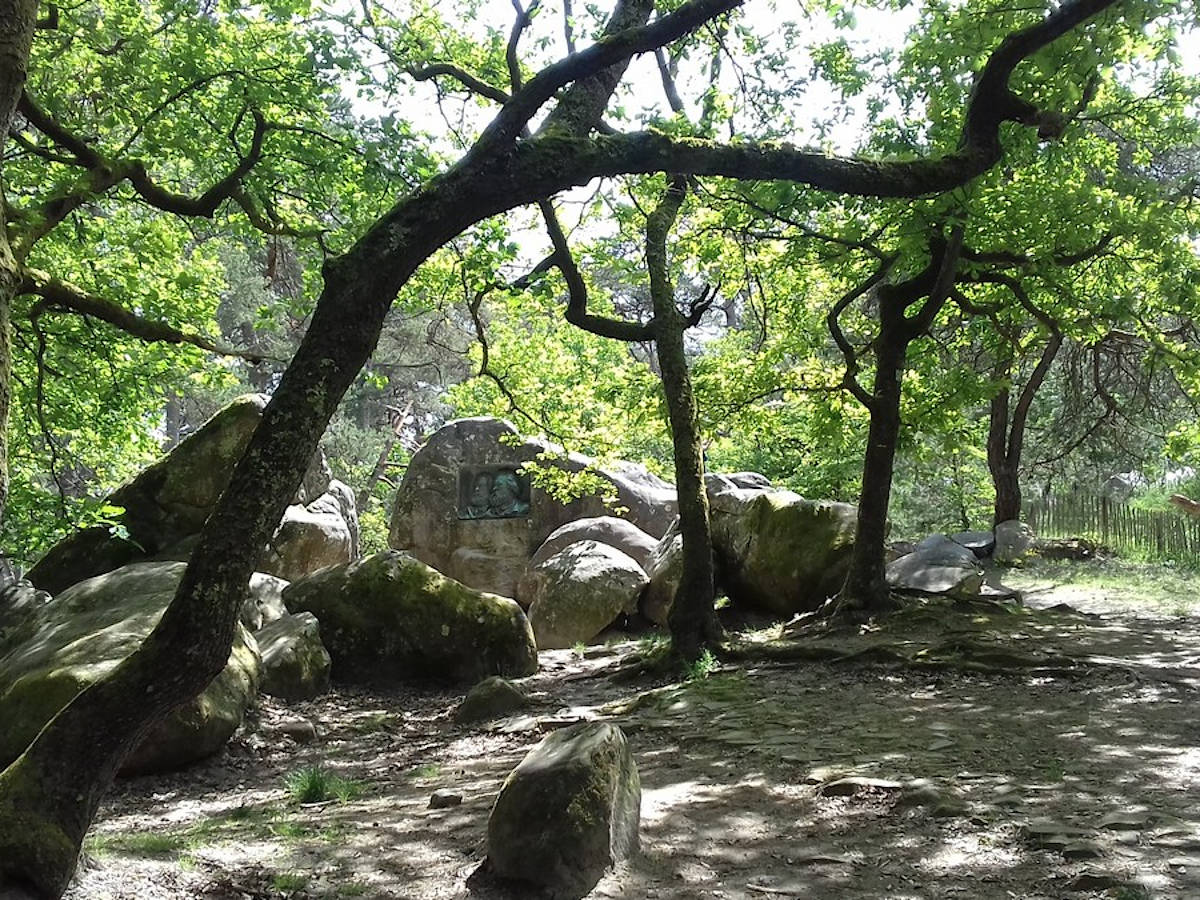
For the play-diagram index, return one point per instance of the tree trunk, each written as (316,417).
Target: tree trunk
(1002,469)
(368,488)
(17,19)
(693,618)
(1006,434)
(865,592)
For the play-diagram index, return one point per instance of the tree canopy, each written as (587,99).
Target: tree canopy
(337,202)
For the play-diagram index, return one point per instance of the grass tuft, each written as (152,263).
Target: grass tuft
(316,784)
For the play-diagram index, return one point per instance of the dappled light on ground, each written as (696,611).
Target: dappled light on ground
(831,780)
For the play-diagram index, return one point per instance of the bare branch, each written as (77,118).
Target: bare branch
(577,293)
(463,77)
(832,322)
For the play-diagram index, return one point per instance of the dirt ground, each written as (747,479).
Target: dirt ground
(1046,754)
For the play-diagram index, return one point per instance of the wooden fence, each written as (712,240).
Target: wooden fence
(1154,534)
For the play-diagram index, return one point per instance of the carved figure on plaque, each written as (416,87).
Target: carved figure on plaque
(495,494)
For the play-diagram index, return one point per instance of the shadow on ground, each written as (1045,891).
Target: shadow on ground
(771,781)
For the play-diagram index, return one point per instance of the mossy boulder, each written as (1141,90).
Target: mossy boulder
(84,633)
(390,617)
(568,812)
(164,503)
(295,664)
(779,552)
(580,591)
(167,503)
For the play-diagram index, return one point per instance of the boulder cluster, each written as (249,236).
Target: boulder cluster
(486,569)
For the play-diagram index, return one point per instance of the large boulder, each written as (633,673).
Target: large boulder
(323,532)
(295,664)
(938,565)
(618,533)
(568,812)
(1014,542)
(164,504)
(84,633)
(779,552)
(167,503)
(580,591)
(465,508)
(391,617)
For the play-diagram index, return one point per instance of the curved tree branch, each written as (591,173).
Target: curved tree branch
(64,296)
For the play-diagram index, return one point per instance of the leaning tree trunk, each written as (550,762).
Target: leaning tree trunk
(50,794)
(865,592)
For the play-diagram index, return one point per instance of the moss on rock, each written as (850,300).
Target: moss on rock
(569,811)
(86,632)
(389,616)
(779,552)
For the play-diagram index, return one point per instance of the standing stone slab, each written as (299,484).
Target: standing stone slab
(568,812)
(390,617)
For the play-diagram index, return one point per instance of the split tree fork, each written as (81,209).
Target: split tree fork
(907,309)
(49,795)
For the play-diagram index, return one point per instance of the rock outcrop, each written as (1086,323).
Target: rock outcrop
(84,633)
(568,812)
(465,508)
(391,617)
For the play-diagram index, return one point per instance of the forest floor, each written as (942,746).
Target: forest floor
(979,753)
